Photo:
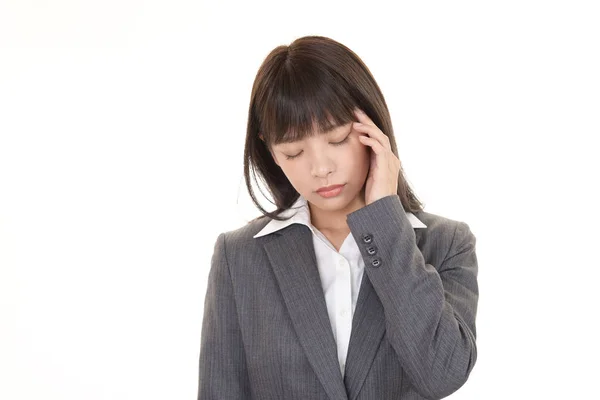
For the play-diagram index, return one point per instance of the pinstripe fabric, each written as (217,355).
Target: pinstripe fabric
(266,332)
(340,271)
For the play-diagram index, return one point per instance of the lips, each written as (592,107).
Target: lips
(328,188)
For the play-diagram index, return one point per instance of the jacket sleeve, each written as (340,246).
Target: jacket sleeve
(430,315)
(223,373)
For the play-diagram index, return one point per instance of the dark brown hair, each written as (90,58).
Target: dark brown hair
(315,81)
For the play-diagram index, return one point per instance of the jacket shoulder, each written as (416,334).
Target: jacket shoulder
(442,233)
(241,241)
(436,222)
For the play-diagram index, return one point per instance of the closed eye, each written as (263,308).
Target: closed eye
(342,142)
(334,144)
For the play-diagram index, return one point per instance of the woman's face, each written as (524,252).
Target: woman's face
(333,158)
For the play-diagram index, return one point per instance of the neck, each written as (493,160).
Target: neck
(335,221)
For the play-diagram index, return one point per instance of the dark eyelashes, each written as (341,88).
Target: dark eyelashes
(334,144)
(342,142)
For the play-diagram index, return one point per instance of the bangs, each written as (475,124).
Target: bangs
(299,103)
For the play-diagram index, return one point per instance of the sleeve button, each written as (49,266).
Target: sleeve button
(376,262)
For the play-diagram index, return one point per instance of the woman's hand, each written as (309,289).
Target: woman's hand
(385,166)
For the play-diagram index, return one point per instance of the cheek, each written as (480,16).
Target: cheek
(361,153)
(294,173)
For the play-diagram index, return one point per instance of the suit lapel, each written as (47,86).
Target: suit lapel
(294,263)
(368,327)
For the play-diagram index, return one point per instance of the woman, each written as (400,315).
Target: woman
(350,292)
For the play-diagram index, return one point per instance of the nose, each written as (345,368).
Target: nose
(322,165)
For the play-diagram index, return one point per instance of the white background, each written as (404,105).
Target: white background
(122,126)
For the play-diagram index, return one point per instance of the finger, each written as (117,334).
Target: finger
(363,119)
(373,143)
(362,116)
(373,132)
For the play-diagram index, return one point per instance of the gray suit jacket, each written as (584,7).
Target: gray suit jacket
(266,332)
